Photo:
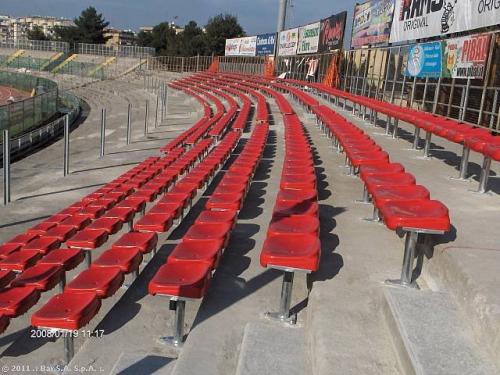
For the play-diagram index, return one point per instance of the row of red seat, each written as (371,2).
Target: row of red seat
(403,205)
(107,273)
(188,270)
(471,137)
(206,121)
(33,262)
(85,226)
(292,242)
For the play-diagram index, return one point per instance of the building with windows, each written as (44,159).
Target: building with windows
(117,37)
(16,28)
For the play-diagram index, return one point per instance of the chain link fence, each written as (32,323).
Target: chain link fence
(36,45)
(25,115)
(179,64)
(118,51)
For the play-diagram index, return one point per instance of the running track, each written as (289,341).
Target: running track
(7,92)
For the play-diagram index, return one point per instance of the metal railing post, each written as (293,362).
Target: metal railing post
(163,90)
(66,145)
(129,123)
(466,99)
(146,119)
(6,167)
(103,132)
(436,96)
(156,111)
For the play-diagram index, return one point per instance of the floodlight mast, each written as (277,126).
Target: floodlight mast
(282,15)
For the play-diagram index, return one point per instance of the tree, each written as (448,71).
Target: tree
(164,40)
(70,34)
(144,38)
(36,33)
(220,28)
(192,40)
(89,28)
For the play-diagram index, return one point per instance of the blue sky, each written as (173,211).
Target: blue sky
(256,16)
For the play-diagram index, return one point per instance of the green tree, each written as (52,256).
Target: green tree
(164,40)
(144,38)
(192,40)
(220,28)
(70,34)
(89,28)
(36,33)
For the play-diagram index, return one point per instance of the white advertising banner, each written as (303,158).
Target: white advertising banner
(466,57)
(416,19)
(233,47)
(288,41)
(309,38)
(248,46)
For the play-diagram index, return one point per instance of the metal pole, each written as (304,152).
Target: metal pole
(66,145)
(286,296)
(485,174)
(69,349)
(436,96)
(6,167)
(396,68)
(146,119)
(163,92)
(156,111)
(409,255)
(466,99)
(487,78)
(166,100)
(103,131)
(129,123)
(179,322)
(282,15)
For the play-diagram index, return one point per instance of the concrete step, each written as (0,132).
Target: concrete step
(273,349)
(471,275)
(431,334)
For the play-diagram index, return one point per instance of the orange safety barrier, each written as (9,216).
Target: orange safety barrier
(214,66)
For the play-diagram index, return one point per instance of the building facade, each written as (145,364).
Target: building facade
(16,28)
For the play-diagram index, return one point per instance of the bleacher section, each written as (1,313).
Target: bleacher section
(197,188)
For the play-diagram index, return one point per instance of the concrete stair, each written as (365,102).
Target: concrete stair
(432,336)
(272,349)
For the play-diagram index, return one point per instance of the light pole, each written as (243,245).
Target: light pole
(282,15)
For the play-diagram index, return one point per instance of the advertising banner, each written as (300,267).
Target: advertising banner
(266,44)
(309,38)
(248,45)
(288,42)
(331,36)
(466,57)
(372,23)
(415,19)
(233,47)
(424,60)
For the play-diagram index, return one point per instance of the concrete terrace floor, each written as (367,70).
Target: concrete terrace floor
(343,325)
